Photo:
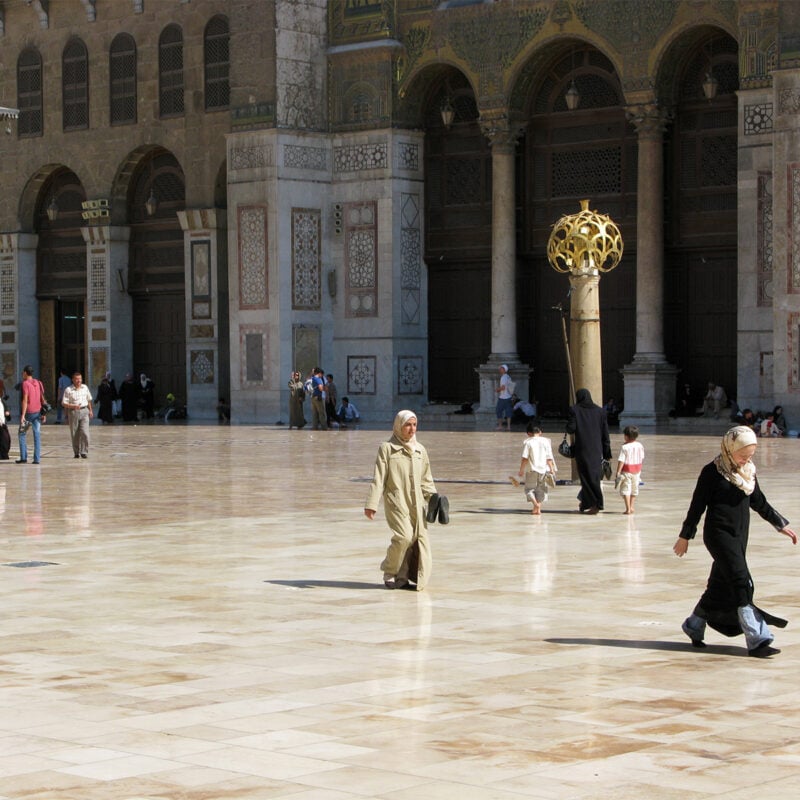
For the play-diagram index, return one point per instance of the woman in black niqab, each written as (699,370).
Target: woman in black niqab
(587,421)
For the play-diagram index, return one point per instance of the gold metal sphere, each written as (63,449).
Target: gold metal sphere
(584,242)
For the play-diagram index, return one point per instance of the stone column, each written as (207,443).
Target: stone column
(649,379)
(504,268)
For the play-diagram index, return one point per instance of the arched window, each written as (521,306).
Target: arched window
(122,80)
(75,86)
(170,72)
(29,93)
(216,58)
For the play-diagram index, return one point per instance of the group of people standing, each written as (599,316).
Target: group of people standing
(325,413)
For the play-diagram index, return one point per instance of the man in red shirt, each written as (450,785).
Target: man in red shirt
(30,412)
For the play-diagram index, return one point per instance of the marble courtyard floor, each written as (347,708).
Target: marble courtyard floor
(196,613)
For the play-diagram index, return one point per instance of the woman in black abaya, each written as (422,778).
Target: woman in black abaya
(726,491)
(587,421)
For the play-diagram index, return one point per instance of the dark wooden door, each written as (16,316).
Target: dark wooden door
(159,337)
(458,329)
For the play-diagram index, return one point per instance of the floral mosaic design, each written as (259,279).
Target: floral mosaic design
(361,259)
(202,366)
(409,375)
(253,257)
(306,267)
(361,377)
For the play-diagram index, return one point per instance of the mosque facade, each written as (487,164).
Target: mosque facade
(217,192)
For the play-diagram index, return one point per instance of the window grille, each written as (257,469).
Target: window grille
(170,72)
(29,94)
(75,86)
(122,80)
(216,56)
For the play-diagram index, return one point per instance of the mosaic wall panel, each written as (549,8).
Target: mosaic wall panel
(253,354)
(202,366)
(793,212)
(97,283)
(408,156)
(306,261)
(252,231)
(758,119)
(361,259)
(410,258)
(201,279)
(251,157)
(355,158)
(361,374)
(301,157)
(764,287)
(8,290)
(409,375)
(793,351)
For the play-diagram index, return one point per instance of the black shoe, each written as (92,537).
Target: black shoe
(35,462)
(433,508)
(84,455)
(76,456)
(21,461)
(444,510)
(764,650)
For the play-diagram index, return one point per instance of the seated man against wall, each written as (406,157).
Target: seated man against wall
(714,401)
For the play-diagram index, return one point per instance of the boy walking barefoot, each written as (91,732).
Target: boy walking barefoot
(629,467)
(537,468)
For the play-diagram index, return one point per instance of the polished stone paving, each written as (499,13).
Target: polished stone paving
(208,623)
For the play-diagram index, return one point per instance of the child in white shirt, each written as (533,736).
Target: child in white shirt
(629,467)
(537,468)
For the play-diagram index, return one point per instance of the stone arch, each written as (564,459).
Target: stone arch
(426,85)
(126,173)
(33,195)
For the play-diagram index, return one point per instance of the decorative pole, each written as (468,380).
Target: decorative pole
(584,245)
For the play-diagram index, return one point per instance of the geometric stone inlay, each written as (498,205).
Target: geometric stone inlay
(97,283)
(409,375)
(408,156)
(306,267)
(253,359)
(789,101)
(758,118)
(793,350)
(251,157)
(354,158)
(764,287)
(202,362)
(253,257)
(301,157)
(361,374)
(361,259)
(793,196)
(8,293)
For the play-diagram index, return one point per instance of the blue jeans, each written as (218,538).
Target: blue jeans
(34,417)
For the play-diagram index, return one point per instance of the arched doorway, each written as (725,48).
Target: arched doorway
(458,242)
(61,276)
(589,152)
(156,274)
(700,265)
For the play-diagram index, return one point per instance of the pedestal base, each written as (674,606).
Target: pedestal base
(489,374)
(649,392)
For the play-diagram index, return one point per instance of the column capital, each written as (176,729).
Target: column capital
(500,130)
(649,119)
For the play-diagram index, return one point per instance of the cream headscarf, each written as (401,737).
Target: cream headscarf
(397,430)
(743,477)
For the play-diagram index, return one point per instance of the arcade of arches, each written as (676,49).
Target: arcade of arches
(561,157)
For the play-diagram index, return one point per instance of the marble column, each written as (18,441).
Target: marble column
(649,380)
(504,268)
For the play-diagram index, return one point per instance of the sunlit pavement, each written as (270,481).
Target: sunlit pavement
(197,612)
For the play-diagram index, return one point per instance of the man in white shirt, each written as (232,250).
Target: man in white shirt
(78,403)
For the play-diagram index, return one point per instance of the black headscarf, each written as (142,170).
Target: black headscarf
(583,398)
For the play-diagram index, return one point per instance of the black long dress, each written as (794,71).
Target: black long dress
(129,394)
(105,400)
(725,532)
(592,444)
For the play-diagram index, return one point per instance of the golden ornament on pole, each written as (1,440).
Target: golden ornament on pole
(584,245)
